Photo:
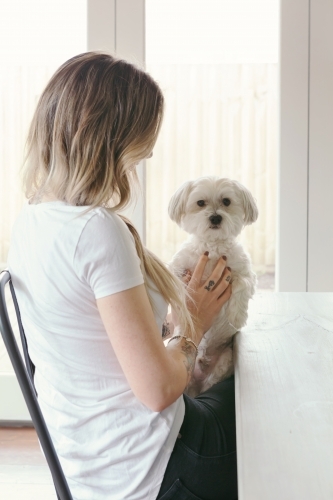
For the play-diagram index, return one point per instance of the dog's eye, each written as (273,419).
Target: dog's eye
(226,202)
(201,203)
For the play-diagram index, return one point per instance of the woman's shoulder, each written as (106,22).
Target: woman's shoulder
(104,219)
(105,227)
(105,254)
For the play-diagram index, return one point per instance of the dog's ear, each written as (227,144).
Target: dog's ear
(250,207)
(178,201)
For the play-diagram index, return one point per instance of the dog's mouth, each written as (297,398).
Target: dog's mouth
(217,226)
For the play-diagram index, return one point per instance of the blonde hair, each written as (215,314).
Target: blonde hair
(97,117)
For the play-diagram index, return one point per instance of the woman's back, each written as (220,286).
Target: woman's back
(62,259)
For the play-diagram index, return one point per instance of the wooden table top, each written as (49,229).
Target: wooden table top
(284,398)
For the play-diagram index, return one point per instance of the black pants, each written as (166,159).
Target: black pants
(203,465)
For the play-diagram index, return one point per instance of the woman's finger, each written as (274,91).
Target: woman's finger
(225,295)
(186,276)
(214,279)
(198,270)
(224,282)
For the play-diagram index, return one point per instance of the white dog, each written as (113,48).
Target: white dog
(214,211)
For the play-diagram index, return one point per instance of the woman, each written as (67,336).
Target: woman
(93,301)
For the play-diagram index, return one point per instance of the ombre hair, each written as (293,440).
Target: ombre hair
(97,117)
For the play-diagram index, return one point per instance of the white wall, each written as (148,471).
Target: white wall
(320,222)
(305,229)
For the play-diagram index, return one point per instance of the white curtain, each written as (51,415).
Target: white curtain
(19,91)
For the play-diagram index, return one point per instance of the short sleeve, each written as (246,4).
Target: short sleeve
(106,257)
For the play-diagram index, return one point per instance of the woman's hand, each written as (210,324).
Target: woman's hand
(209,296)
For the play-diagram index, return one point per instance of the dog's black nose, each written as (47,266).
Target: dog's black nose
(215,219)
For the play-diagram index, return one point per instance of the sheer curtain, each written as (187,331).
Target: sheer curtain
(35,38)
(19,89)
(216,62)
(220,120)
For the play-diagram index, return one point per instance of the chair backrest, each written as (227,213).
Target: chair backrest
(25,378)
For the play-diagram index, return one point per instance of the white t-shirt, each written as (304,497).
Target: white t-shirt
(61,259)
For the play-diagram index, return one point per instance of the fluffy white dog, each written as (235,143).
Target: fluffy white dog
(214,211)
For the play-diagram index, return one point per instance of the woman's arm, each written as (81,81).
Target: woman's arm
(157,374)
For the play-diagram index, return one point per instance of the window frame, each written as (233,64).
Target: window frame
(111,28)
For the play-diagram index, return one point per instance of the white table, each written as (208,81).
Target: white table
(284,398)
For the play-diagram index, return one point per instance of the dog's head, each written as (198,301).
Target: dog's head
(213,208)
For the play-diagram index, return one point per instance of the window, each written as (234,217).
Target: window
(216,62)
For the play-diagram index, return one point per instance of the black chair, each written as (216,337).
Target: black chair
(25,378)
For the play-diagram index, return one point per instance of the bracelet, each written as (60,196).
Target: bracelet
(187,339)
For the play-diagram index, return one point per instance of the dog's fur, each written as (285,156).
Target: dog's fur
(214,227)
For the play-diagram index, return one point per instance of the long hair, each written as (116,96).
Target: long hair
(97,117)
